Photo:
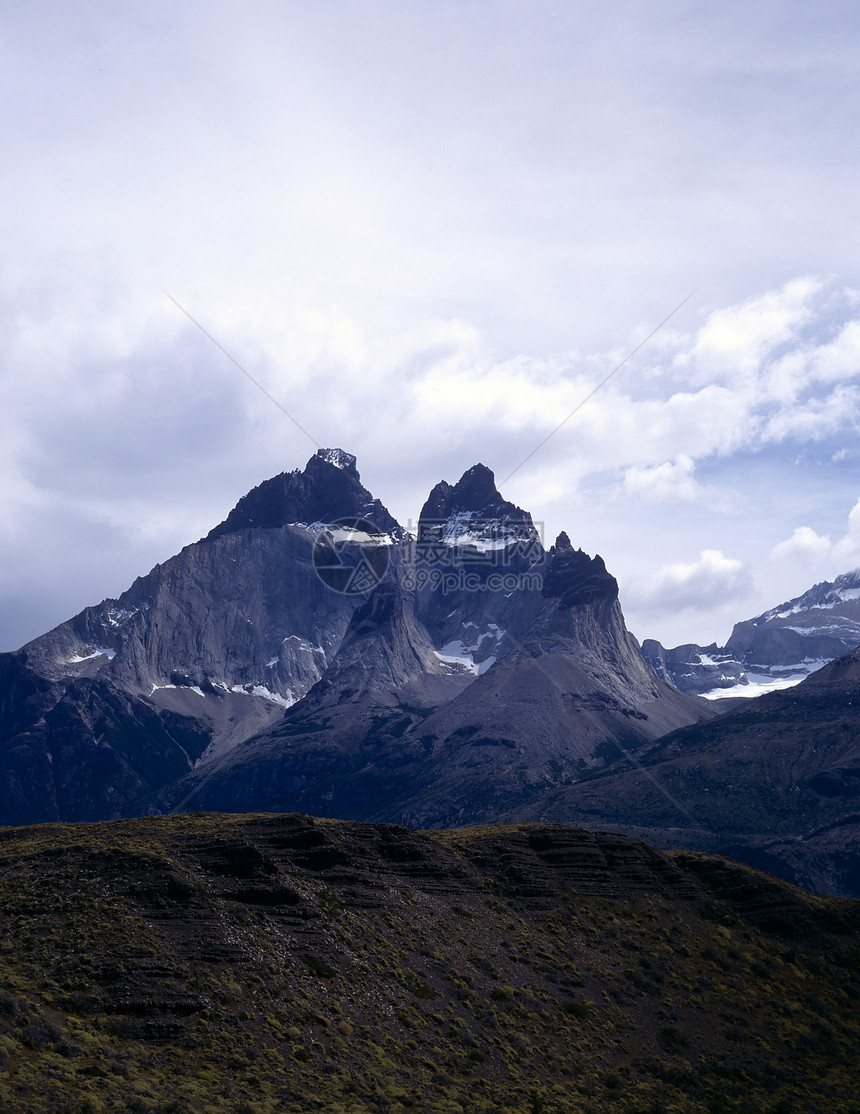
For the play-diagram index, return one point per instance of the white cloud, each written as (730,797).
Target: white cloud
(124,411)
(673,480)
(808,550)
(840,358)
(847,550)
(805,544)
(429,235)
(703,585)
(816,419)
(733,341)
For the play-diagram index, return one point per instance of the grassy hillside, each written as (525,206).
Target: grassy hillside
(243,964)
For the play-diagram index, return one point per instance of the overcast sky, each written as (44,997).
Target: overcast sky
(430,229)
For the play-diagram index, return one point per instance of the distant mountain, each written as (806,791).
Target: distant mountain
(235,964)
(309,654)
(779,647)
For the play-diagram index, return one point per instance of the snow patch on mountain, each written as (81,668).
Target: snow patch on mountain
(460,656)
(98,651)
(260,690)
(116,616)
(338,458)
(475,530)
(185,688)
(475,655)
(760,683)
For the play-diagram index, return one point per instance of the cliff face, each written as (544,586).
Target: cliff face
(398,730)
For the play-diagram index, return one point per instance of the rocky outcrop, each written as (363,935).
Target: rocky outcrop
(329,488)
(478,565)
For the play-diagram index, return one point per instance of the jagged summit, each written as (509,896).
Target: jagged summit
(339,459)
(329,488)
(474,495)
(575,578)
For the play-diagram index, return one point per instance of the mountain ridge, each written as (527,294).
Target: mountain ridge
(463,675)
(774,782)
(775,649)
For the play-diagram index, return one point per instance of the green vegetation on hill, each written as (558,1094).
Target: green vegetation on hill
(262,964)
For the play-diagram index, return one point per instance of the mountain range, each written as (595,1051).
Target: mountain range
(311,655)
(773,650)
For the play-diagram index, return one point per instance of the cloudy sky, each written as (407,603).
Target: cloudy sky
(429,229)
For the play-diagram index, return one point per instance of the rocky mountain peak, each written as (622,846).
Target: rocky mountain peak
(475,494)
(329,488)
(575,578)
(339,459)
(824,596)
(476,487)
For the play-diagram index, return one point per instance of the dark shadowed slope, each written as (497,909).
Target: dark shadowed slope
(776,783)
